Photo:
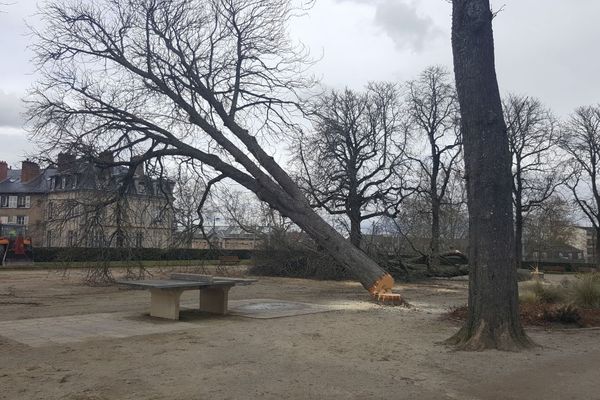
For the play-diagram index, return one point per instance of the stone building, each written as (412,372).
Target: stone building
(23,194)
(76,203)
(93,206)
(229,238)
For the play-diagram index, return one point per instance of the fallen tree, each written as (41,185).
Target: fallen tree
(199,82)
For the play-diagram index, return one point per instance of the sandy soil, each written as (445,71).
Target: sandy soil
(364,351)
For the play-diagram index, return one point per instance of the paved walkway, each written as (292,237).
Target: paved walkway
(36,332)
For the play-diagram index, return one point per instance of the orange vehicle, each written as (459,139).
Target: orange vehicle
(15,245)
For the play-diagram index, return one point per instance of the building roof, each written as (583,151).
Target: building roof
(13,185)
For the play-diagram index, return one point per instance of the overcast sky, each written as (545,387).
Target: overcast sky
(547,49)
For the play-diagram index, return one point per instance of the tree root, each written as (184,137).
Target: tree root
(483,337)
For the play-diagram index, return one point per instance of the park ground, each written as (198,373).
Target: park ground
(358,351)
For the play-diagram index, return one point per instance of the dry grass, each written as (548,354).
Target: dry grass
(575,302)
(585,291)
(538,292)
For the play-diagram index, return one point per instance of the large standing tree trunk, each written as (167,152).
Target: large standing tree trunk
(355,230)
(493,317)
(597,247)
(434,258)
(519,233)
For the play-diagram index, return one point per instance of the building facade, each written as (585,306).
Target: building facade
(229,238)
(23,195)
(76,203)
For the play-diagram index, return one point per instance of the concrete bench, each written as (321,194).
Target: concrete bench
(166,293)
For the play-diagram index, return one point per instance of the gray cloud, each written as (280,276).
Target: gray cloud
(14,145)
(402,22)
(11,109)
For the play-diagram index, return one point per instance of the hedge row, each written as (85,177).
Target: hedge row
(558,266)
(74,254)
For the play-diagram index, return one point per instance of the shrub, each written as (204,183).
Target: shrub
(75,254)
(528,297)
(586,291)
(298,263)
(548,294)
(564,314)
(536,292)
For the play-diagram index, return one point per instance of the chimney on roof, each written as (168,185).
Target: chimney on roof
(3,170)
(139,170)
(29,171)
(65,161)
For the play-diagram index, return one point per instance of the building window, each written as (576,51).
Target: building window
(12,201)
(23,202)
(71,238)
(139,239)
(4,201)
(21,219)
(97,239)
(120,239)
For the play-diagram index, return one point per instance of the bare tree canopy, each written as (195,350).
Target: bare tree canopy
(203,81)
(434,116)
(581,141)
(354,162)
(493,316)
(533,141)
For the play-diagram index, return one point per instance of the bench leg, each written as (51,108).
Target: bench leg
(214,300)
(164,303)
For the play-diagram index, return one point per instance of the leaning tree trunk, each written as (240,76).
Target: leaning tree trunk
(373,278)
(493,317)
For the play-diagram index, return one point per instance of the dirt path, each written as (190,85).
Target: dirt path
(363,351)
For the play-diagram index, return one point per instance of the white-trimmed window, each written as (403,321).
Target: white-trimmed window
(139,239)
(21,219)
(23,202)
(71,238)
(4,219)
(12,201)
(4,201)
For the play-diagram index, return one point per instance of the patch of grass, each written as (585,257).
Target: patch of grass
(538,292)
(585,291)
(549,294)
(528,297)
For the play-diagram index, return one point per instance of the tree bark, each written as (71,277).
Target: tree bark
(434,258)
(373,278)
(493,317)
(518,233)
(355,230)
(597,248)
